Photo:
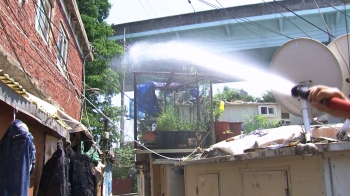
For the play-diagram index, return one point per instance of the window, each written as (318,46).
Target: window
(284,115)
(267,110)
(43,17)
(62,49)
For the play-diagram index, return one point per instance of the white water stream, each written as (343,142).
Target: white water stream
(190,53)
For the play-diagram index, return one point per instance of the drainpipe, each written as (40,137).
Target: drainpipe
(83,72)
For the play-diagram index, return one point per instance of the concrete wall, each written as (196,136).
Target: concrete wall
(297,175)
(303,176)
(20,41)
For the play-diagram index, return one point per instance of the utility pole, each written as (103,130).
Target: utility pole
(122,122)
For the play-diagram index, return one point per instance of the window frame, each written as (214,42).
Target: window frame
(42,18)
(62,49)
(268,107)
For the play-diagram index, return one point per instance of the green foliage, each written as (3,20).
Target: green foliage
(169,120)
(267,98)
(254,122)
(229,94)
(125,158)
(98,73)
(216,108)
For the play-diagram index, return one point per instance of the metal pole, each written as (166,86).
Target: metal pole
(135,110)
(122,122)
(213,139)
(306,120)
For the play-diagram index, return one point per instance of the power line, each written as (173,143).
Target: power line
(241,23)
(72,85)
(302,18)
(189,1)
(144,9)
(336,8)
(244,19)
(286,18)
(324,20)
(41,55)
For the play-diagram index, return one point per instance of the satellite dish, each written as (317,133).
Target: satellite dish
(341,50)
(305,61)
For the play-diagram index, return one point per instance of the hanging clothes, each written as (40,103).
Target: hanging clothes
(17,160)
(81,176)
(54,178)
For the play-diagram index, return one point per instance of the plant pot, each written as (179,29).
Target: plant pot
(236,127)
(148,136)
(221,126)
(222,137)
(172,139)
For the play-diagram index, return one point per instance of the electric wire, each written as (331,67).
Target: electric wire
(242,24)
(245,19)
(347,37)
(189,1)
(37,50)
(286,18)
(54,39)
(98,110)
(40,53)
(303,18)
(144,9)
(324,20)
(336,8)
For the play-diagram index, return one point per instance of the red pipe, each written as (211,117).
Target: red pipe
(337,103)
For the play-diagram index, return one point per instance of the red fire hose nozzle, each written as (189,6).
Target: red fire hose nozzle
(334,102)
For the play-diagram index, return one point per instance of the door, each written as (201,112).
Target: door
(208,185)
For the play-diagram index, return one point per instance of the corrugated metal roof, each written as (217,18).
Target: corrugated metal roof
(10,82)
(64,120)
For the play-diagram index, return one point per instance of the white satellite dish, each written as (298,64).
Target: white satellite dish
(341,50)
(305,61)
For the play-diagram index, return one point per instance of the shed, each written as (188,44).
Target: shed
(272,170)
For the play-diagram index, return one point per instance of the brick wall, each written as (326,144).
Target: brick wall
(23,42)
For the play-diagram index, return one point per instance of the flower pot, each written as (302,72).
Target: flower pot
(172,139)
(222,137)
(236,127)
(221,126)
(148,136)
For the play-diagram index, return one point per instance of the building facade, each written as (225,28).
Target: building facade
(43,48)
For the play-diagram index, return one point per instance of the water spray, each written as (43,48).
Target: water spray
(333,102)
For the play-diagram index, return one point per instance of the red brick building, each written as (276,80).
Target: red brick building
(43,48)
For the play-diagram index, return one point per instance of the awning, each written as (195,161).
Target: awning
(12,93)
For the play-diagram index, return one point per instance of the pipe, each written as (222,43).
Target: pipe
(334,102)
(306,120)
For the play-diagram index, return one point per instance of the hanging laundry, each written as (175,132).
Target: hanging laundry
(82,179)
(17,159)
(54,178)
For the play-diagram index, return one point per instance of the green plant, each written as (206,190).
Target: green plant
(168,120)
(226,132)
(254,122)
(217,111)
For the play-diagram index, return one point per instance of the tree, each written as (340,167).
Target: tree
(267,98)
(98,73)
(229,94)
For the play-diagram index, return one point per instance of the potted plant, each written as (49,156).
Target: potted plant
(145,128)
(218,109)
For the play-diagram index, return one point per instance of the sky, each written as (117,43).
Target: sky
(124,11)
